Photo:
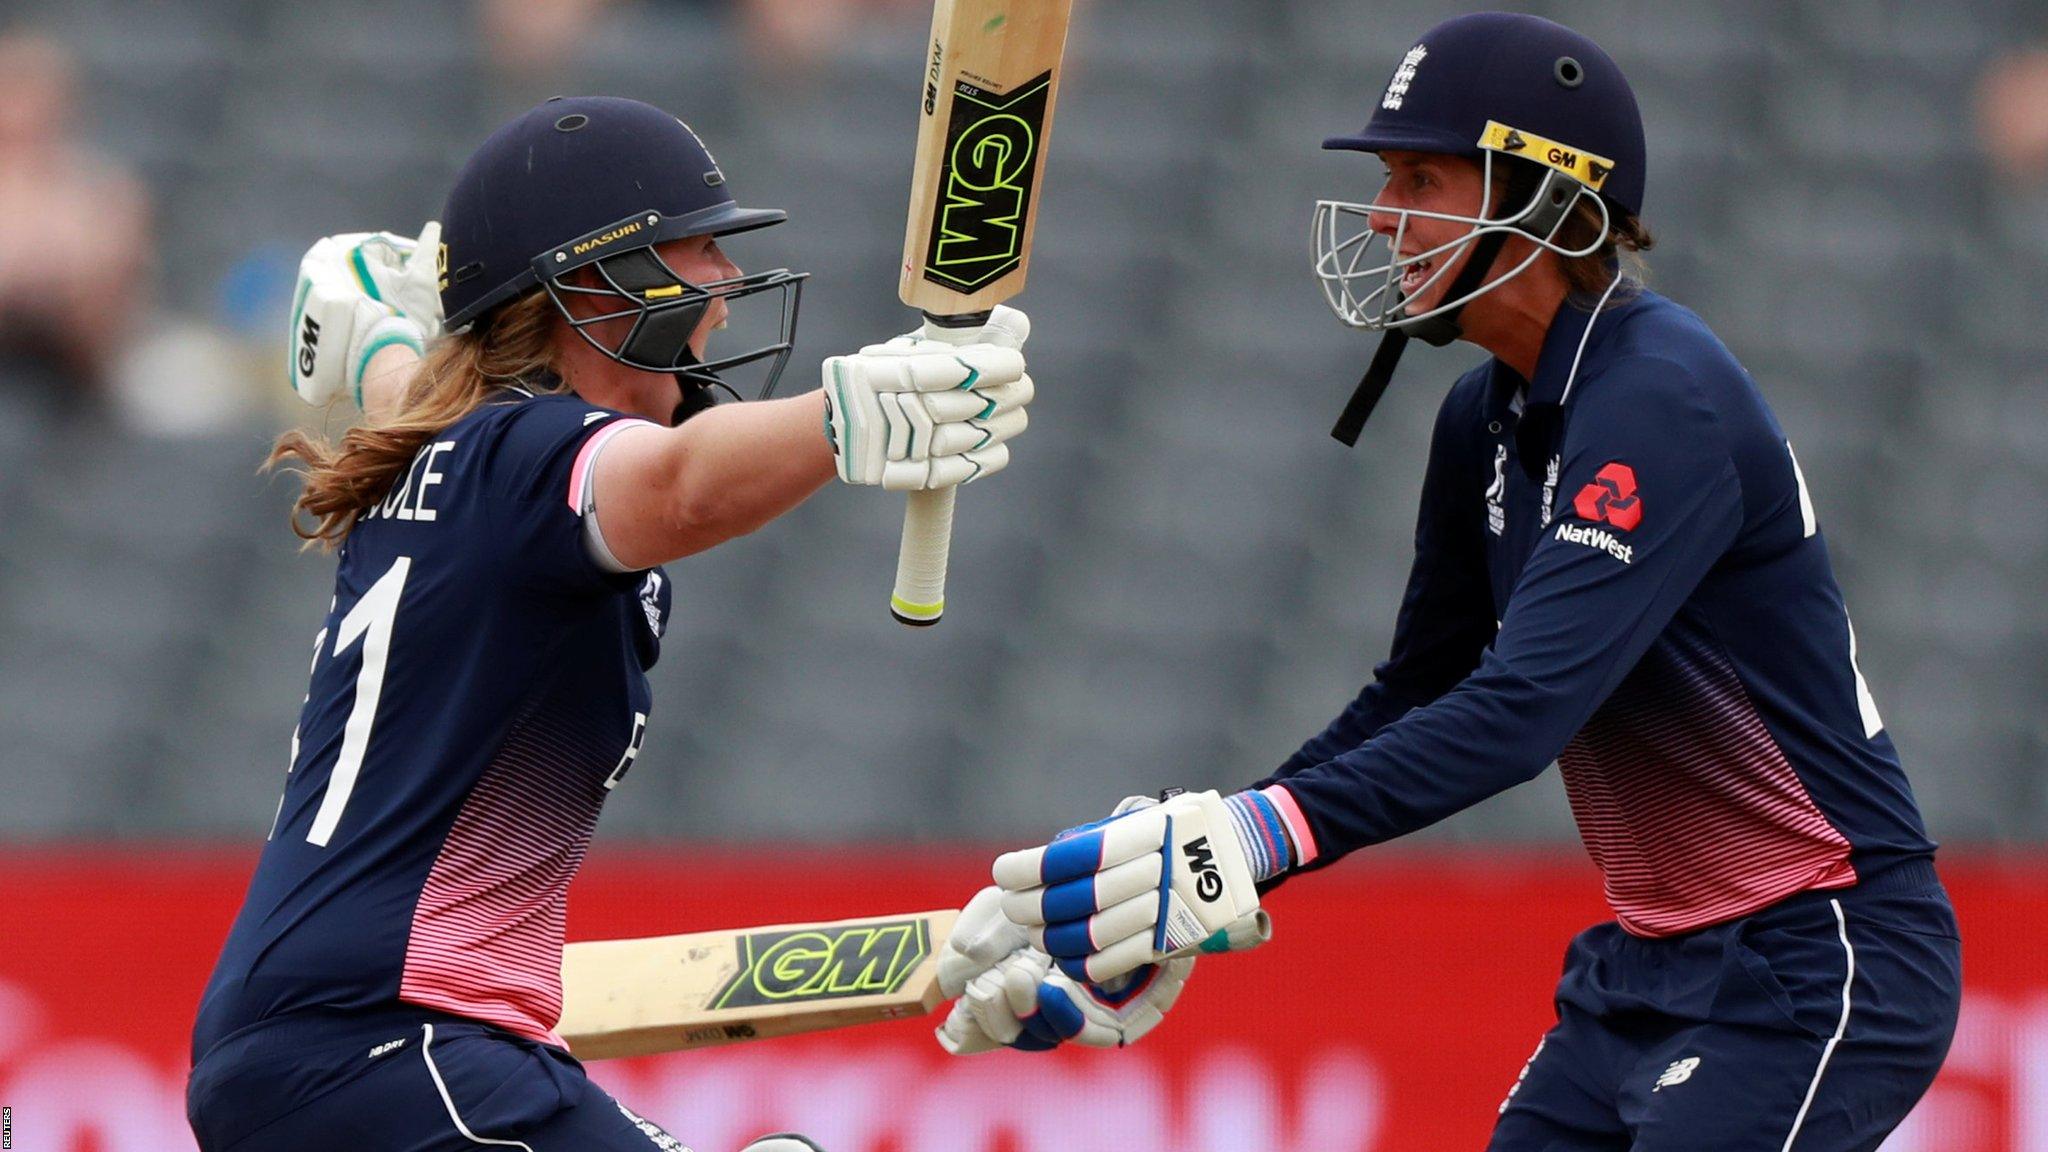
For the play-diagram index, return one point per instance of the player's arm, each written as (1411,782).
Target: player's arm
(1107,898)
(385,379)
(1446,616)
(1591,600)
(906,415)
(664,493)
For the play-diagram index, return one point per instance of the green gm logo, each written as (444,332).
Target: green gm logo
(825,964)
(992,144)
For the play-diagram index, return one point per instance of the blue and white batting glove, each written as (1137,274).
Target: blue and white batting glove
(1147,884)
(932,408)
(1024,1002)
(1027,1004)
(359,293)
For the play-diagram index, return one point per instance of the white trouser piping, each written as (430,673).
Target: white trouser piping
(441,1086)
(1841,1026)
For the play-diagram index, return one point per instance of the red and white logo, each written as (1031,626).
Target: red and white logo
(1611,498)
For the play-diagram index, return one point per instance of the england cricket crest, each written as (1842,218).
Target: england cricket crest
(1497,492)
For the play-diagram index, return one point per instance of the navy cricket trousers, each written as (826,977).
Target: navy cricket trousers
(402,1080)
(1811,1026)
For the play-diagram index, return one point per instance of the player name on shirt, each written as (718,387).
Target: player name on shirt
(408,498)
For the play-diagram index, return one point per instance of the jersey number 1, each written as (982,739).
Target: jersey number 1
(369,621)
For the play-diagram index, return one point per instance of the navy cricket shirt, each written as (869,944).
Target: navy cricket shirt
(1618,568)
(478,687)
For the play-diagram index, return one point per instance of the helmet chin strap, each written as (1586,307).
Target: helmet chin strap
(699,387)
(1555,194)
(1436,331)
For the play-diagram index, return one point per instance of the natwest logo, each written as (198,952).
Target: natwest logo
(1611,498)
(1598,538)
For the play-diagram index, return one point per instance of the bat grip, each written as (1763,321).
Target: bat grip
(920,597)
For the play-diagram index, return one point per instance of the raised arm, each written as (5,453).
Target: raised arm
(665,493)
(905,415)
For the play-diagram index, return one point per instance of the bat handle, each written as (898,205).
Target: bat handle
(920,597)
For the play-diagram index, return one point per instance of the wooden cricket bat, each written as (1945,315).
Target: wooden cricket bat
(991,74)
(667,993)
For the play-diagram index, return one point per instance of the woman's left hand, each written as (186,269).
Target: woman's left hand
(929,409)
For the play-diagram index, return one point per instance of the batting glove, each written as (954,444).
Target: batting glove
(359,293)
(932,408)
(1025,1002)
(1145,885)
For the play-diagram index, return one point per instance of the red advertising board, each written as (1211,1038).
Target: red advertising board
(1392,1011)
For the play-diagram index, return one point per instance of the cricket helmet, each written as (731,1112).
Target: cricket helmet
(595,182)
(1504,89)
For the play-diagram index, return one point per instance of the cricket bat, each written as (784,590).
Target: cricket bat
(991,74)
(667,993)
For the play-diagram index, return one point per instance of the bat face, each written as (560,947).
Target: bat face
(666,993)
(814,965)
(991,76)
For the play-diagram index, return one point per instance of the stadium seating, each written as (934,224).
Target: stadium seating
(1182,576)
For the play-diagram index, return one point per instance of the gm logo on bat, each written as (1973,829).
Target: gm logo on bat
(812,964)
(991,162)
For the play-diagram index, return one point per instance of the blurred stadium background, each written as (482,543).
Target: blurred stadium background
(1180,578)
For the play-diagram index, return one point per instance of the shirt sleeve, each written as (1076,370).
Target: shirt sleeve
(539,472)
(1446,614)
(1648,501)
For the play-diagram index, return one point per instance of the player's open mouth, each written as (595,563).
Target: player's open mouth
(1416,275)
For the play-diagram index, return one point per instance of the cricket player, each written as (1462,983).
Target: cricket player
(1618,567)
(479,684)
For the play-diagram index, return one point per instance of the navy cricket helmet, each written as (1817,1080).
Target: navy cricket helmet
(1535,103)
(596,182)
(1559,90)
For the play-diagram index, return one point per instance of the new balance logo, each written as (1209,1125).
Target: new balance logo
(1599,538)
(386,1048)
(1678,1073)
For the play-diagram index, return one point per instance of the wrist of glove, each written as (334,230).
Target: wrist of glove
(1148,884)
(929,409)
(359,293)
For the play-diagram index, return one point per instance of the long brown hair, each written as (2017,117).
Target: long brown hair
(1626,240)
(460,373)
(1589,276)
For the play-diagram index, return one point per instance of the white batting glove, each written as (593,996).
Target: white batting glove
(358,293)
(1150,883)
(1025,1002)
(981,938)
(932,408)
